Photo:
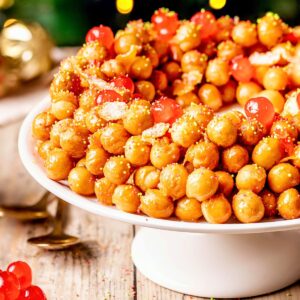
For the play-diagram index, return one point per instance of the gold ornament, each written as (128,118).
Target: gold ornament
(4,4)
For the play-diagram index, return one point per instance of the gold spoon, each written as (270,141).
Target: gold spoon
(37,211)
(57,239)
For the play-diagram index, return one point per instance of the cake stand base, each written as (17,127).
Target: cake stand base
(220,266)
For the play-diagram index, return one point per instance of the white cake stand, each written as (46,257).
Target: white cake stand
(200,259)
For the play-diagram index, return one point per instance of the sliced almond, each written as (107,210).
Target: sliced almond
(158,130)
(113,111)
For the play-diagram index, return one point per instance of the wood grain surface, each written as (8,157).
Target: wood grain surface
(100,268)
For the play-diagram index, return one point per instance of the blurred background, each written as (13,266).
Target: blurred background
(68,20)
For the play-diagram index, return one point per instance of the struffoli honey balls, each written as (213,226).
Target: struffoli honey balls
(195,120)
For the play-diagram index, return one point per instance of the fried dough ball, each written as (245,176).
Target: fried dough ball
(221,131)
(74,142)
(87,99)
(201,113)
(92,51)
(289,204)
(81,181)
(267,152)
(93,121)
(244,33)
(95,160)
(58,164)
(282,177)
(141,68)
(235,116)
(63,109)
(172,70)
(79,118)
(138,117)
(216,210)
(137,151)
(248,207)
(251,177)
(163,153)
(275,98)
(146,89)
(270,203)
(296,155)
(44,148)
(114,137)
(104,190)
(234,158)
(147,178)
(173,179)
(112,68)
(226,183)
(188,209)
(186,99)
(42,124)
(275,79)
(126,197)
(58,128)
(124,42)
(117,169)
(156,204)
(245,91)
(210,96)
(81,163)
(203,154)
(251,132)
(185,131)
(228,91)
(284,129)
(259,73)
(193,60)
(201,184)
(159,80)
(228,49)
(217,72)
(225,25)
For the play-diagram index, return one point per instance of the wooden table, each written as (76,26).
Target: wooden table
(100,268)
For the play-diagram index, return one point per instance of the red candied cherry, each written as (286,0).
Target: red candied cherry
(9,285)
(101,33)
(23,273)
(165,110)
(207,21)
(123,82)
(290,37)
(108,96)
(241,69)
(32,293)
(261,109)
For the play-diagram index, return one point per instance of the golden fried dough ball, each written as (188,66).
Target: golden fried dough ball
(210,96)
(248,207)
(95,139)
(284,129)
(95,160)
(79,118)
(267,152)
(104,190)
(251,177)
(81,181)
(186,99)
(226,183)
(159,80)
(137,151)
(58,164)
(203,154)
(87,99)
(201,184)
(201,113)
(289,204)
(216,210)
(282,177)
(221,131)
(124,41)
(117,169)
(92,51)
(270,203)
(141,68)
(228,91)
(244,33)
(42,125)
(235,116)
(63,109)
(114,137)
(193,60)
(217,72)
(172,70)
(44,148)
(246,90)
(138,117)
(126,197)
(81,163)
(163,153)
(228,50)
(251,132)
(188,209)
(185,131)
(147,178)
(156,204)
(234,158)
(93,121)
(173,179)
(275,79)
(146,89)
(112,68)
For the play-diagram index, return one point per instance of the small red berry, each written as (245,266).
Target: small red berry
(207,22)
(241,69)
(103,34)
(123,82)
(165,110)
(108,96)
(23,273)
(9,286)
(32,293)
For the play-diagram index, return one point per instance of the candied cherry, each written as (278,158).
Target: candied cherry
(23,273)
(241,69)
(123,82)
(9,285)
(32,293)
(261,109)
(101,33)
(2,296)
(108,96)
(165,110)
(207,21)
(290,37)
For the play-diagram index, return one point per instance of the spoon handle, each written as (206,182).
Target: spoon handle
(60,217)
